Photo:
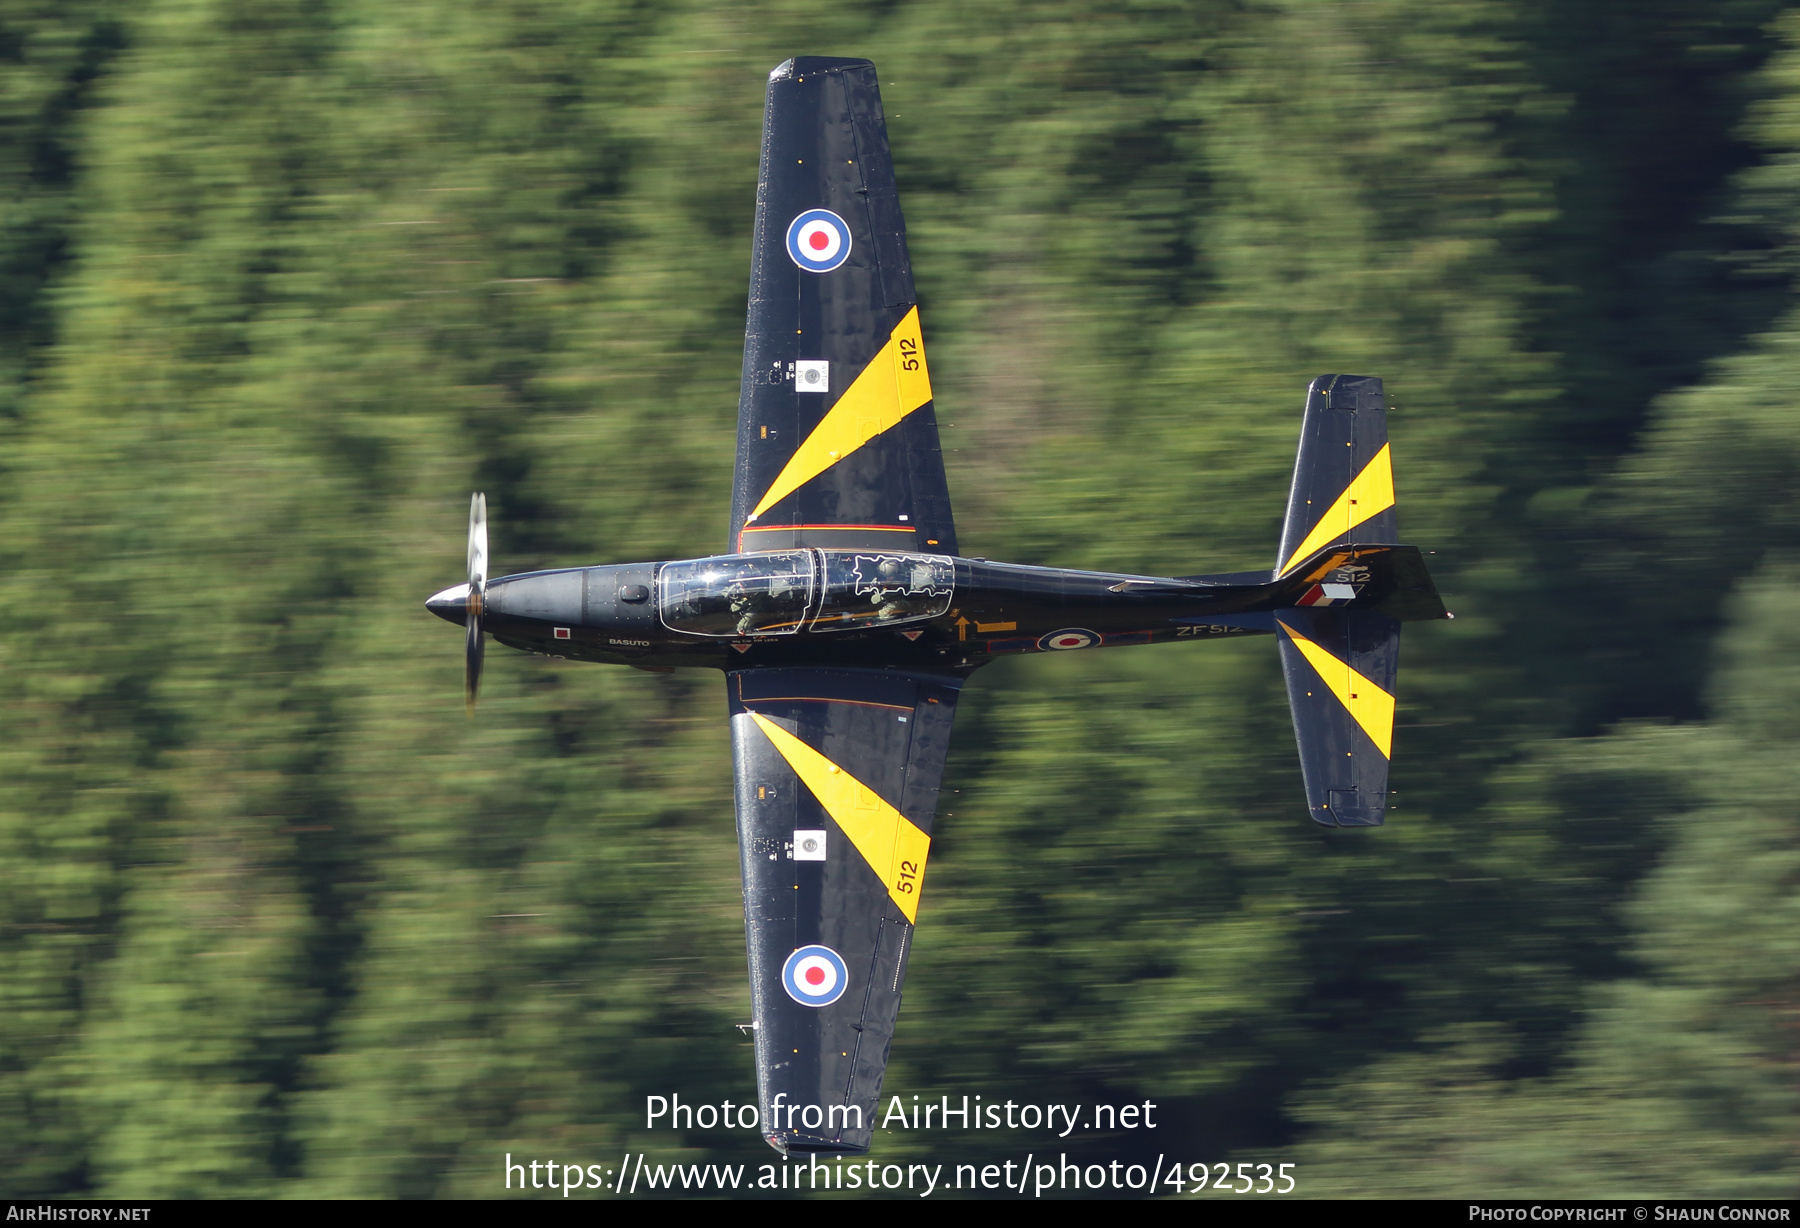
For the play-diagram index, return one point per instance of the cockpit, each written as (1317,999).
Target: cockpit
(785,591)
(737,594)
(875,590)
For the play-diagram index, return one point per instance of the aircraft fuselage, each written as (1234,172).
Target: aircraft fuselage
(871,609)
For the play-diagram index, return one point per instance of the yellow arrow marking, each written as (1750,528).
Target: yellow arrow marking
(1372,707)
(895,383)
(1369,493)
(891,843)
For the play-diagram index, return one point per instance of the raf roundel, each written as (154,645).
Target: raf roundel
(815,976)
(1069,637)
(818,240)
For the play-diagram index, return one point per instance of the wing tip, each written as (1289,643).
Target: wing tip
(794,1142)
(810,65)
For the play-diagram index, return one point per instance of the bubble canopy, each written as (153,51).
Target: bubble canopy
(785,591)
(873,590)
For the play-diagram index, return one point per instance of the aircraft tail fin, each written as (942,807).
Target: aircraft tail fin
(1357,575)
(1351,584)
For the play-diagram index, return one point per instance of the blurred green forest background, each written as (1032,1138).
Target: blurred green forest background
(281,282)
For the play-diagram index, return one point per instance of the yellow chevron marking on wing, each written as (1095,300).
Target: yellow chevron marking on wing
(1369,493)
(1372,707)
(891,843)
(893,385)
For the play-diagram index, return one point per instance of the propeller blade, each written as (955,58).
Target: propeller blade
(472,662)
(478,574)
(478,543)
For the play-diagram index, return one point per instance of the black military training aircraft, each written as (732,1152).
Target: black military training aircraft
(846,621)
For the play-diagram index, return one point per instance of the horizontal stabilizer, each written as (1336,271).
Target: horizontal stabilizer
(1340,667)
(1343,485)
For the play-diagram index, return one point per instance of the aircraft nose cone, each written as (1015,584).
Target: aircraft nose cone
(451,605)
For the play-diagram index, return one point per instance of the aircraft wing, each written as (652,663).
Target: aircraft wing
(837,441)
(837,782)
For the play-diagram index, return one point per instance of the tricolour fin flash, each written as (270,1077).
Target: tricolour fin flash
(1348,583)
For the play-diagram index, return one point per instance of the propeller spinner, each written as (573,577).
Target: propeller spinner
(466,603)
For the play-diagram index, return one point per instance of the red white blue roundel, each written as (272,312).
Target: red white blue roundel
(1067,638)
(818,240)
(815,976)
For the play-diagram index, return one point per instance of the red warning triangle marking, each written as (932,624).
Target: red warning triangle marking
(912,635)
(742,647)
